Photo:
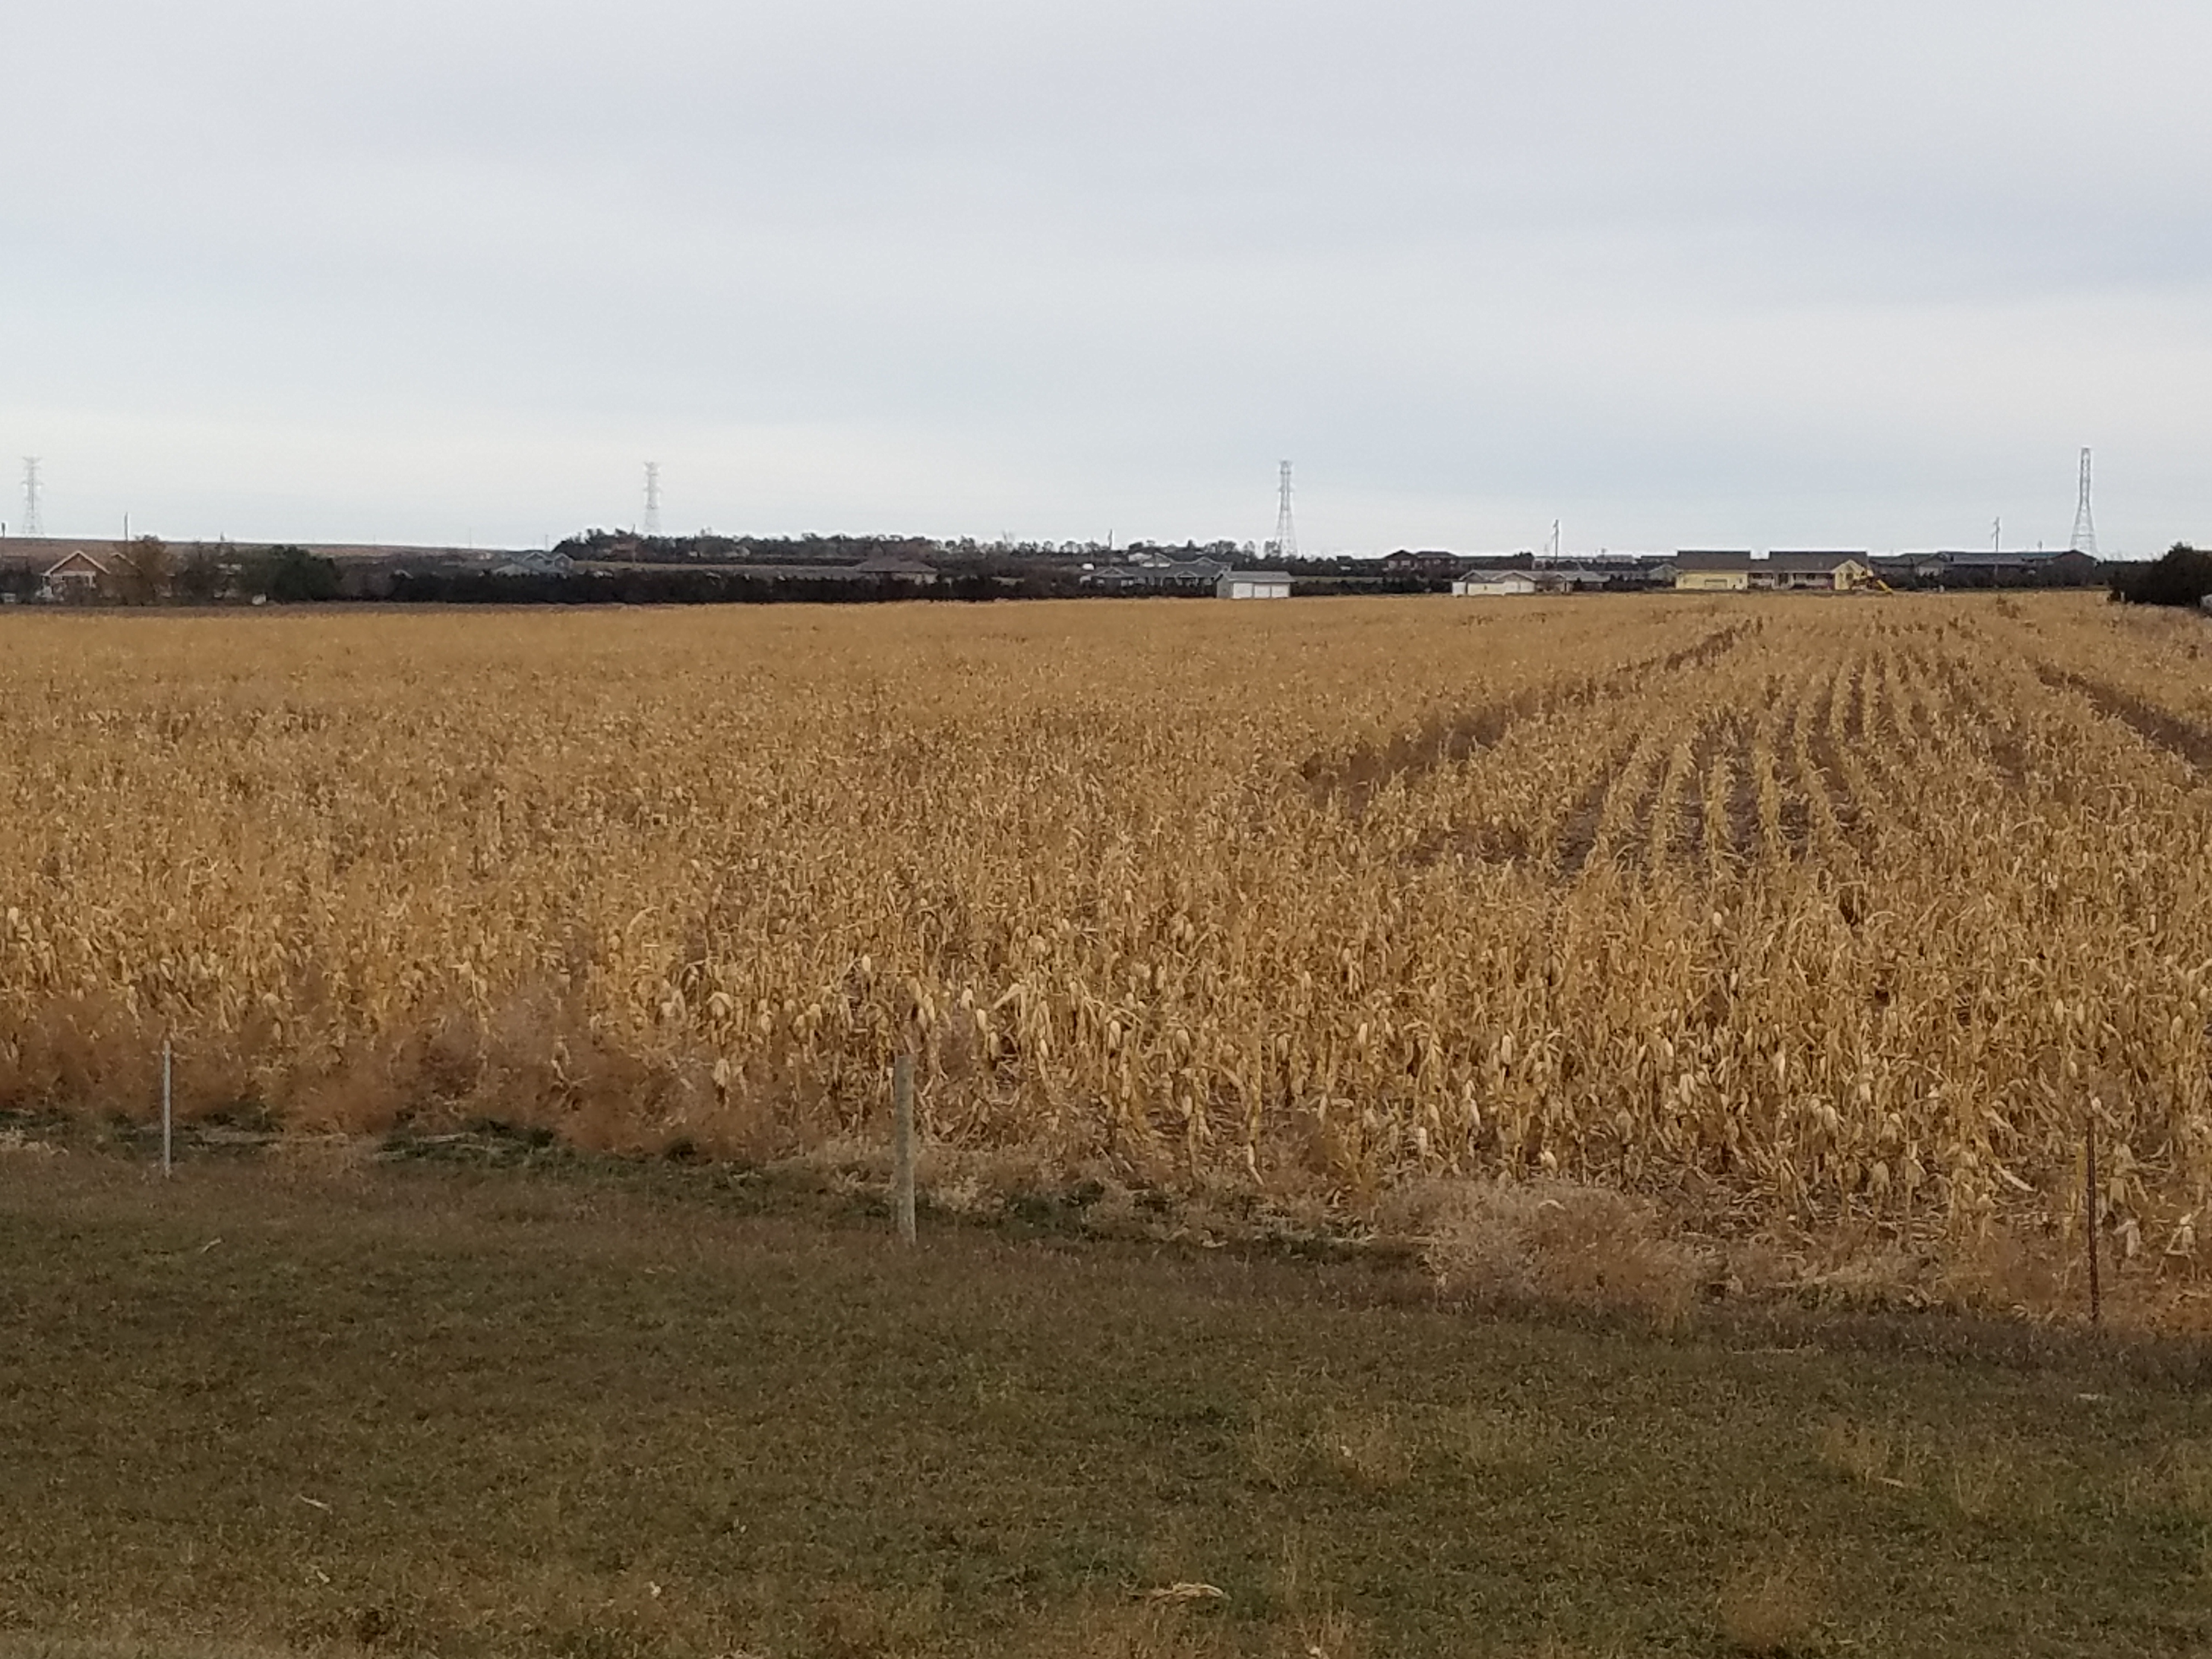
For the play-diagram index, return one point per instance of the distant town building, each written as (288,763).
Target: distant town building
(898,567)
(1158,575)
(1426,563)
(1494,584)
(1573,579)
(75,575)
(1989,568)
(534,562)
(1253,585)
(1834,573)
(1701,570)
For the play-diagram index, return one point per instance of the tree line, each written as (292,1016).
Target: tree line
(2183,576)
(149,571)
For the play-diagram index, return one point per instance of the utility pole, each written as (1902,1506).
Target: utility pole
(33,524)
(653,498)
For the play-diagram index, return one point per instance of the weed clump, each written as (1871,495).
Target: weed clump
(1557,1242)
(1769,1610)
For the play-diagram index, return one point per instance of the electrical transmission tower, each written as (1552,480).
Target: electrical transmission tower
(33,524)
(2085,528)
(653,498)
(1286,533)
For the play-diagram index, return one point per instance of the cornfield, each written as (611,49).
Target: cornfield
(1815,906)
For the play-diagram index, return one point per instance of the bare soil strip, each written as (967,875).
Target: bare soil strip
(2159,727)
(1355,777)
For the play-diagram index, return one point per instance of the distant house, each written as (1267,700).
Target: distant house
(1493,584)
(75,575)
(1989,568)
(1253,585)
(1706,571)
(1830,573)
(533,562)
(885,568)
(897,567)
(1158,575)
(1571,579)
(1426,563)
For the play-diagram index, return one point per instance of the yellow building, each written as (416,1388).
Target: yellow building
(1711,573)
(1823,572)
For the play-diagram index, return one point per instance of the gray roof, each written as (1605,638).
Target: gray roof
(1256,576)
(1153,576)
(1988,556)
(1695,558)
(1821,563)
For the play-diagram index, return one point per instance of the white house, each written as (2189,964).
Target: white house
(1253,585)
(1493,584)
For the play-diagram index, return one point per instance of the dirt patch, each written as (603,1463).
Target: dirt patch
(1743,827)
(1578,839)
(1828,772)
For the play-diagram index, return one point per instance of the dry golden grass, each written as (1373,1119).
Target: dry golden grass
(1553,1241)
(1790,911)
(1869,1455)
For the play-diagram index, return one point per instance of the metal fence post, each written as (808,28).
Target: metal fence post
(169,1116)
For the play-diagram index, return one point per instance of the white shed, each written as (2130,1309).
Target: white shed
(1492,584)
(1253,585)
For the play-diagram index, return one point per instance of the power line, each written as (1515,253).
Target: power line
(2085,528)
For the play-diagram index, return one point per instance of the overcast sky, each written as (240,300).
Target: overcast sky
(1675,272)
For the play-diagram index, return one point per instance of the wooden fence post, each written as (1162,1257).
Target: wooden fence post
(903,1145)
(2096,1291)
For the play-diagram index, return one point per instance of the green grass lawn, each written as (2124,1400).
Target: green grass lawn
(411,1410)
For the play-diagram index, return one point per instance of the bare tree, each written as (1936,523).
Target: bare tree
(144,571)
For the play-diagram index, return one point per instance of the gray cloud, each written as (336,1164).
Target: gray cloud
(1739,272)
